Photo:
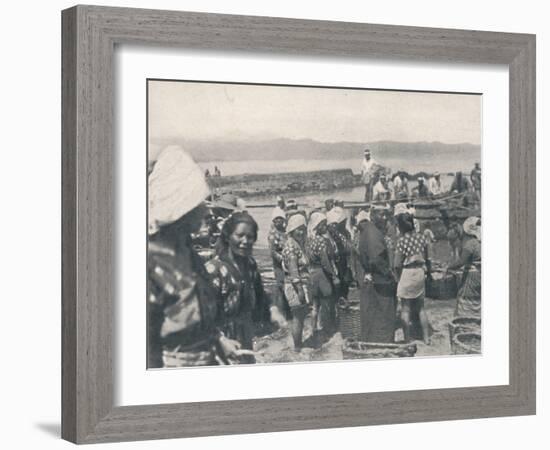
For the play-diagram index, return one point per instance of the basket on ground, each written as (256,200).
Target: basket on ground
(442,286)
(349,318)
(354,349)
(466,343)
(464,324)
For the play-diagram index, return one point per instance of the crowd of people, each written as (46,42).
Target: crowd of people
(208,312)
(381,186)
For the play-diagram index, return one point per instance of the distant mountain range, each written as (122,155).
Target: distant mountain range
(304,149)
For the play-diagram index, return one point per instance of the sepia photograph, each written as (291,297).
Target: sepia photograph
(298,224)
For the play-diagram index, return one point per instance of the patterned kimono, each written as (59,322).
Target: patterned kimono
(276,241)
(322,255)
(181,308)
(344,248)
(296,268)
(469,293)
(410,256)
(243,302)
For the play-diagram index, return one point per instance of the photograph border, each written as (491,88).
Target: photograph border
(89,202)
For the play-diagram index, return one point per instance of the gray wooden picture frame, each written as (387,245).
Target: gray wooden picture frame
(90,34)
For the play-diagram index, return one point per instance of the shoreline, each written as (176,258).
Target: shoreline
(261,185)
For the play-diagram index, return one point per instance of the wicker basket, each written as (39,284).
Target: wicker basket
(466,343)
(460,214)
(464,324)
(442,286)
(427,214)
(354,349)
(349,318)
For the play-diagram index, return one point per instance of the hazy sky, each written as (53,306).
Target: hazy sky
(226,111)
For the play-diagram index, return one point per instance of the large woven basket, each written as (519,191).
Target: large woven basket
(354,349)
(466,343)
(464,324)
(349,318)
(442,286)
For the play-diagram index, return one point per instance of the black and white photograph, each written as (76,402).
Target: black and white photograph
(261,224)
(298,224)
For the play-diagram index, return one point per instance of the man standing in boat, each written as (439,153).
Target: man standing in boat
(381,190)
(367,173)
(400,186)
(434,184)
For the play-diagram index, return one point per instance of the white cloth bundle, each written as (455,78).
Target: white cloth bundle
(176,186)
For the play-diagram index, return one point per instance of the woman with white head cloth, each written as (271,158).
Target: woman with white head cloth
(377,301)
(412,265)
(296,269)
(276,241)
(336,222)
(182,306)
(317,206)
(324,279)
(469,294)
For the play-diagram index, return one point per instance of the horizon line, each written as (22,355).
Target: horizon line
(251,139)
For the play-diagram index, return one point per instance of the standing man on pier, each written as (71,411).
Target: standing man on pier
(475,178)
(367,173)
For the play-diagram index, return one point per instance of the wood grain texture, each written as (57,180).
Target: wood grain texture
(89,36)
(523,225)
(68,225)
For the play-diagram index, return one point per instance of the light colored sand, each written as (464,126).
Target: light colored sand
(278,348)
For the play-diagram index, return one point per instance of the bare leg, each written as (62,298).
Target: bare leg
(368,192)
(406,320)
(331,304)
(425,325)
(335,321)
(315,315)
(296,328)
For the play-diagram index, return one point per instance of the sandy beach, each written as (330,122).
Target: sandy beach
(277,347)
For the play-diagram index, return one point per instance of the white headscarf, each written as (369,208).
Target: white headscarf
(336,215)
(471,227)
(176,186)
(316,219)
(401,208)
(295,221)
(361,216)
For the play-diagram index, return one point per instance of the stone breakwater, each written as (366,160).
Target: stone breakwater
(258,185)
